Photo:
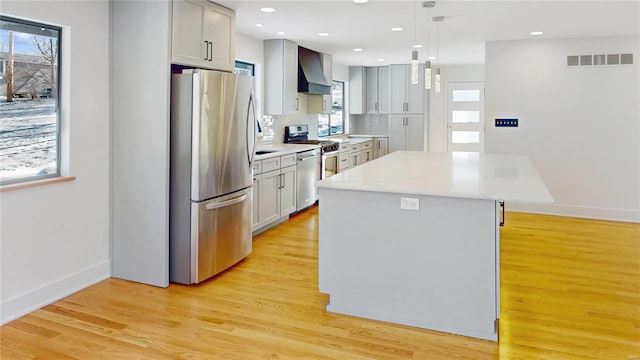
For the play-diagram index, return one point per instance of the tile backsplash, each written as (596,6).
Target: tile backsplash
(369,124)
(273,126)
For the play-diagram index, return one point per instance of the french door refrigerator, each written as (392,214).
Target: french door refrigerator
(212,148)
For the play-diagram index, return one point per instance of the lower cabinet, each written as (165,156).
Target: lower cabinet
(355,156)
(269,199)
(274,191)
(255,213)
(288,191)
(380,147)
(367,151)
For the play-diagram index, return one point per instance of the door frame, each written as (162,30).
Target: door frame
(472,105)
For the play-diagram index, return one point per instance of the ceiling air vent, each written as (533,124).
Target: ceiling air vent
(600,59)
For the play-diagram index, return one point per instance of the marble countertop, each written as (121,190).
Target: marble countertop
(359,140)
(465,175)
(282,149)
(366,136)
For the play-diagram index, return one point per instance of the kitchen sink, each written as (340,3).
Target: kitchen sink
(262,152)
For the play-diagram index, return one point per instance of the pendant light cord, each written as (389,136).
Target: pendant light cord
(415,22)
(428,33)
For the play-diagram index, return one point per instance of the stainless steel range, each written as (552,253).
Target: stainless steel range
(299,134)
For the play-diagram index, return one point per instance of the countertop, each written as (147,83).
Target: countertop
(366,136)
(282,149)
(460,174)
(359,140)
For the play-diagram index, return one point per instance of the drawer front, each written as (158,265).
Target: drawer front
(367,145)
(356,147)
(345,147)
(270,164)
(257,167)
(344,162)
(287,160)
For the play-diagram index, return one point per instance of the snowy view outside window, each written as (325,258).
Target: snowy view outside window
(29,124)
(333,124)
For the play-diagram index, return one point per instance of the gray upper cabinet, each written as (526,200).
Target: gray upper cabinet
(280,77)
(321,104)
(369,90)
(203,35)
(404,96)
(377,90)
(357,90)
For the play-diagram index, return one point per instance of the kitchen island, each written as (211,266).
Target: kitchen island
(414,238)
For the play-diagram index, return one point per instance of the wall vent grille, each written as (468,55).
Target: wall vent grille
(600,60)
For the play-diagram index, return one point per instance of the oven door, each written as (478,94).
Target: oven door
(329,164)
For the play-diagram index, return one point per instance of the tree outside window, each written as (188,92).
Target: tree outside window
(333,124)
(29,111)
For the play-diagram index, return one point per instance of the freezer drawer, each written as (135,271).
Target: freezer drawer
(223,229)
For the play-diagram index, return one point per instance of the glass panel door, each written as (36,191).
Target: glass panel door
(465,123)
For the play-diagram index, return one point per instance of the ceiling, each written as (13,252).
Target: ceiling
(461,36)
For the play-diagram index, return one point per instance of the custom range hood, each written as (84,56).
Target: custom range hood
(311,79)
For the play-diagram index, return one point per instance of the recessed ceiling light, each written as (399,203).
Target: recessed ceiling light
(360,1)
(280,32)
(267,10)
(380,59)
(323,34)
(397,29)
(259,25)
(357,49)
(417,46)
(432,57)
(536,33)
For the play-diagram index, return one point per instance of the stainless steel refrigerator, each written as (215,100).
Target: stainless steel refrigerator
(212,147)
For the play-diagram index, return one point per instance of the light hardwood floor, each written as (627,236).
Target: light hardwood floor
(570,290)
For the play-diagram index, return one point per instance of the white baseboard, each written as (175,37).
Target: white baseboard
(32,300)
(578,211)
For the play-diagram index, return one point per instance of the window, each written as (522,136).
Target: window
(244,68)
(333,124)
(29,111)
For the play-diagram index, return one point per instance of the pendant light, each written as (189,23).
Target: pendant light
(414,53)
(427,64)
(437,20)
(414,67)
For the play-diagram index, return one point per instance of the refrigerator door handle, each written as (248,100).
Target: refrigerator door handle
(251,123)
(227,202)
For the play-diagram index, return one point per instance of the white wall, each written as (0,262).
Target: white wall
(50,236)
(251,50)
(437,128)
(580,126)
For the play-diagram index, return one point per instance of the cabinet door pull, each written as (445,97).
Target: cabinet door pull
(206,51)
(502,217)
(376,106)
(210,51)
(324,105)
(296,103)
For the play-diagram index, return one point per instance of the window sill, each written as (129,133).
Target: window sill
(30,184)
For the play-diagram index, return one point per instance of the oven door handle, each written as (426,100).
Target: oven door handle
(331,153)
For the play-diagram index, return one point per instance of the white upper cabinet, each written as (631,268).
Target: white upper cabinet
(369,90)
(404,96)
(281,77)
(357,90)
(377,90)
(203,35)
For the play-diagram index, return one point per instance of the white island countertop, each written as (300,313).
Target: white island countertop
(459,174)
